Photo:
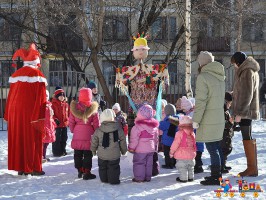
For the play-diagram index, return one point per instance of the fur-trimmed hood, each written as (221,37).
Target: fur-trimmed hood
(83,112)
(148,122)
(249,63)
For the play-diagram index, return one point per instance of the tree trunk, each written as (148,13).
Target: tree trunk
(188,49)
(240,21)
(94,59)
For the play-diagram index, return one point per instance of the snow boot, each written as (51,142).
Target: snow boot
(214,178)
(88,175)
(38,173)
(198,165)
(80,172)
(251,154)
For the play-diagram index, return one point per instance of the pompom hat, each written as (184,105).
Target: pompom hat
(85,96)
(107,115)
(145,112)
(116,106)
(205,58)
(185,120)
(186,104)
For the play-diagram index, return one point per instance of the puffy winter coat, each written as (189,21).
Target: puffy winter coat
(83,121)
(184,145)
(113,151)
(49,124)
(61,112)
(209,106)
(144,136)
(164,126)
(246,90)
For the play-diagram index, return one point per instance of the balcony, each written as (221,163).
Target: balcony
(214,44)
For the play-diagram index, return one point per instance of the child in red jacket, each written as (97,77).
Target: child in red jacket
(49,125)
(61,113)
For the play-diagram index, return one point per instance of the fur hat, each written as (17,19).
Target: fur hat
(85,96)
(228,96)
(238,58)
(186,104)
(107,115)
(164,102)
(116,106)
(170,109)
(145,112)
(92,85)
(59,92)
(185,120)
(205,58)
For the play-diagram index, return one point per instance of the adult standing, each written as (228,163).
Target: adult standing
(263,99)
(246,105)
(208,116)
(25,114)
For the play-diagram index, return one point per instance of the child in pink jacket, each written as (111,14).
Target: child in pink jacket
(143,143)
(49,126)
(184,149)
(83,121)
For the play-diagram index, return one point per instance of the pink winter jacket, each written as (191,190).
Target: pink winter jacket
(82,132)
(144,136)
(49,124)
(184,145)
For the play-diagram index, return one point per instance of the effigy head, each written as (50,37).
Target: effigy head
(140,49)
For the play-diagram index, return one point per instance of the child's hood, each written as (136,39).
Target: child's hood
(109,126)
(149,125)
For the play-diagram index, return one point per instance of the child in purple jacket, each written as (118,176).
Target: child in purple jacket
(143,143)
(83,121)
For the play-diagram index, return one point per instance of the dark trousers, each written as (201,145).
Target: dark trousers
(59,146)
(215,152)
(155,165)
(45,145)
(109,171)
(168,161)
(245,127)
(83,158)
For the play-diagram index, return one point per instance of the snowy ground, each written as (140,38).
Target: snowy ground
(61,182)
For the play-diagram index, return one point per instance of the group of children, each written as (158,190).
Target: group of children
(104,134)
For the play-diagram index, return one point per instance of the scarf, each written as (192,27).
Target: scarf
(106,138)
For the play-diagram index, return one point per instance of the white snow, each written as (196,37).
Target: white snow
(61,182)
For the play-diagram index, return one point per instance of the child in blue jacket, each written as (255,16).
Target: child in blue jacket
(168,136)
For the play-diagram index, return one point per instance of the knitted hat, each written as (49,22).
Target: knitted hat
(205,58)
(185,120)
(92,85)
(29,56)
(107,115)
(116,106)
(85,96)
(170,109)
(145,112)
(164,102)
(238,58)
(186,105)
(192,100)
(59,92)
(228,96)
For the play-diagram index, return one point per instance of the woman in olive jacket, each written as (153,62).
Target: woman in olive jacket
(208,117)
(246,105)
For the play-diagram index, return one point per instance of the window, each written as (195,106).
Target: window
(9,32)
(164,28)
(115,28)
(172,70)
(253,30)
(6,70)
(62,74)
(109,70)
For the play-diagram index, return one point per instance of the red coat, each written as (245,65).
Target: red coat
(25,114)
(61,112)
(49,135)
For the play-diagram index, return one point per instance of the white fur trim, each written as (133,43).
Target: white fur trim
(32,63)
(28,79)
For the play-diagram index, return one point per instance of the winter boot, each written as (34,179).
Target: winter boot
(80,172)
(88,175)
(215,175)
(38,173)
(251,154)
(198,166)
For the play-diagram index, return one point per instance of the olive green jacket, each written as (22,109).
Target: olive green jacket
(209,107)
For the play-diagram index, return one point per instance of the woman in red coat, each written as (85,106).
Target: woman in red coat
(25,113)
